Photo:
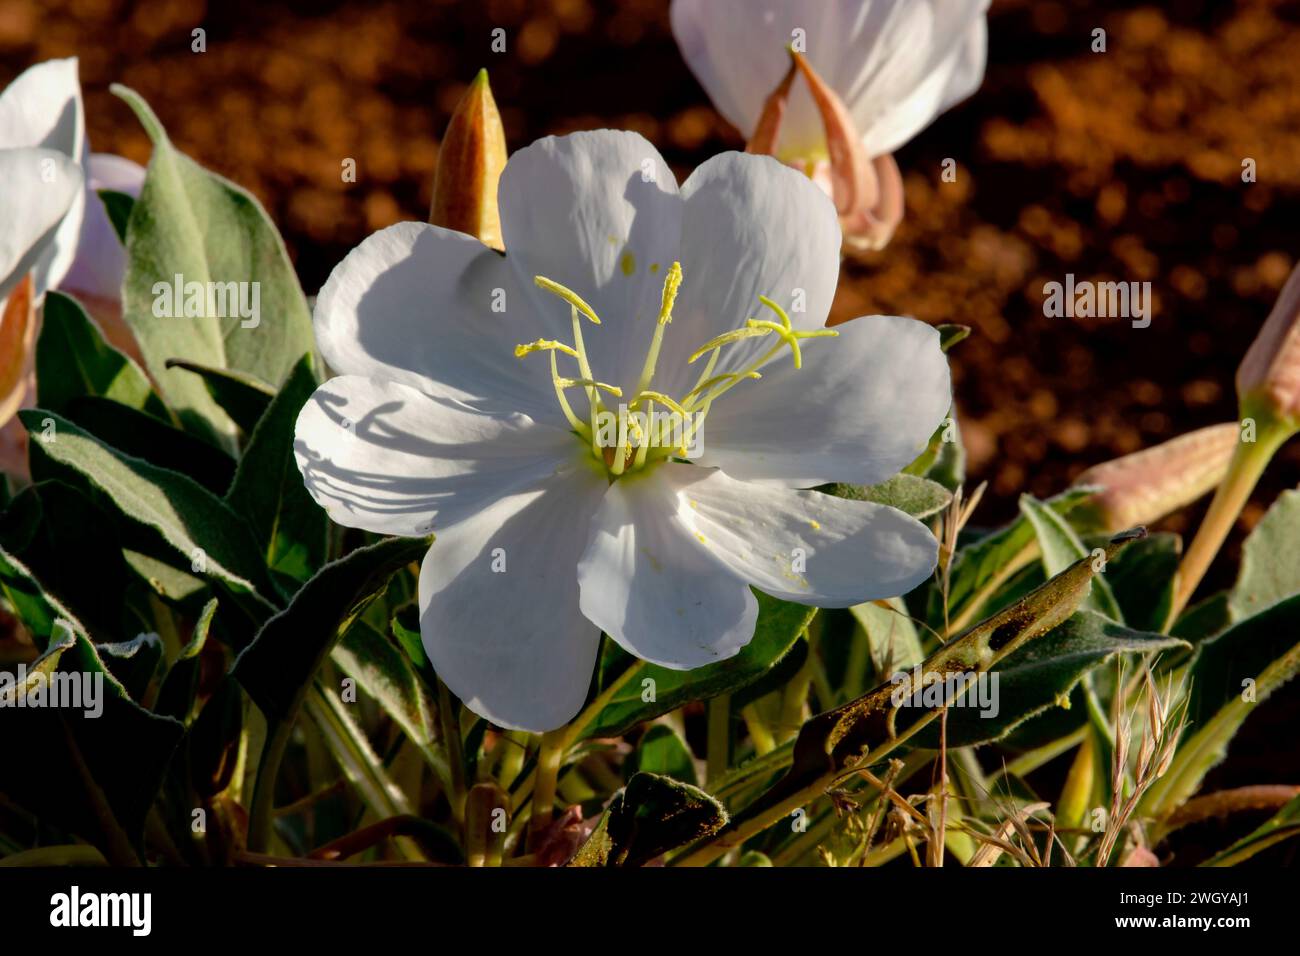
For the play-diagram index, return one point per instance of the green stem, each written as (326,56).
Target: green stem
(573,731)
(759,732)
(449,727)
(1249,460)
(550,755)
(718,748)
(259,816)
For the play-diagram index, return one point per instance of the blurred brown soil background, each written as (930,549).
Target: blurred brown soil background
(1123,165)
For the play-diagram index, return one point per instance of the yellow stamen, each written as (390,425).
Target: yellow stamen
(728,377)
(542,345)
(672,283)
(588,383)
(568,295)
(726,338)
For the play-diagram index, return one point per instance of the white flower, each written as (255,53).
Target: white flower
(53,228)
(546,534)
(41,109)
(876,73)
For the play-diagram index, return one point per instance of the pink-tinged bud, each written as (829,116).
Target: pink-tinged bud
(470,161)
(867,192)
(1143,487)
(1268,381)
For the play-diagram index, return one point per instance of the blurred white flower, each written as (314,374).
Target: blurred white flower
(875,73)
(42,108)
(54,228)
(446,418)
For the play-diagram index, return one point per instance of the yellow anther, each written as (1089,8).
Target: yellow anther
(726,338)
(781,313)
(544,345)
(568,295)
(672,283)
(663,400)
(709,383)
(588,383)
(790,336)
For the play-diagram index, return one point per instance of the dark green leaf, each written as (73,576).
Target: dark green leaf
(1040,674)
(188,516)
(779,625)
(1060,547)
(662,752)
(118,207)
(46,527)
(142,436)
(646,819)
(277,667)
(242,397)
(390,679)
(1270,560)
(59,762)
(176,695)
(134,663)
(1142,580)
(268,490)
(1230,674)
(1283,825)
(73,360)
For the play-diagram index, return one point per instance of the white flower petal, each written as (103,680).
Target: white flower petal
(512,644)
(37,189)
(752,226)
(929,78)
(42,108)
(599,213)
(441,312)
(390,459)
(650,584)
(895,64)
(863,406)
(803,546)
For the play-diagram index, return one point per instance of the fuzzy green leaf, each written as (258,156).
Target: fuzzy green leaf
(191,223)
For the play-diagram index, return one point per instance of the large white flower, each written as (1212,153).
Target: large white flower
(552,528)
(877,72)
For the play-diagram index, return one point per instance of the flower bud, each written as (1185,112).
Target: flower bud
(470,160)
(1143,487)
(1268,380)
